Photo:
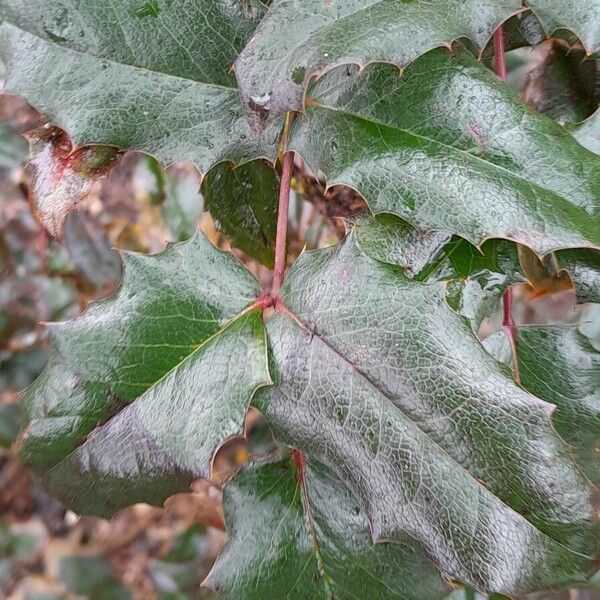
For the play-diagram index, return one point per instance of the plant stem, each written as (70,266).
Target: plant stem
(508,322)
(499,56)
(282,220)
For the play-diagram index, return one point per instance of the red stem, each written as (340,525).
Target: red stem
(282,219)
(499,56)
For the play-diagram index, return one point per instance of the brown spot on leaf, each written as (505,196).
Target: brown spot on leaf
(62,175)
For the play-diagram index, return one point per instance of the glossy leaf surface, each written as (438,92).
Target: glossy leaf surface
(164,371)
(306,537)
(243,203)
(560,364)
(448,146)
(387,386)
(153,80)
(274,69)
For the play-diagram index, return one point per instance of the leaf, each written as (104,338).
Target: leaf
(243,203)
(274,68)
(162,372)
(388,238)
(378,379)
(62,176)
(581,18)
(587,133)
(158,81)
(583,267)
(301,534)
(448,146)
(9,423)
(559,364)
(562,85)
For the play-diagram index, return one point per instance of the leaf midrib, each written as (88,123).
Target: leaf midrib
(144,70)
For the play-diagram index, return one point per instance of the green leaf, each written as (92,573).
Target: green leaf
(297,41)
(274,69)
(243,204)
(381,381)
(448,146)
(156,80)
(581,18)
(9,423)
(583,266)
(587,133)
(162,372)
(304,536)
(559,364)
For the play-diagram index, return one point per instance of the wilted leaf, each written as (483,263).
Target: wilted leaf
(243,203)
(448,146)
(62,176)
(303,535)
(563,85)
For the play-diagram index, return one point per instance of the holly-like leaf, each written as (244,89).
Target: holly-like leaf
(298,532)
(152,76)
(274,69)
(581,18)
(448,146)
(377,378)
(243,203)
(162,372)
(560,364)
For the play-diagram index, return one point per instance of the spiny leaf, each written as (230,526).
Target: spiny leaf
(559,364)
(302,535)
(274,68)
(377,378)
(582,18)
(157,81)
(164,371)
(243,203)
(448,146)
